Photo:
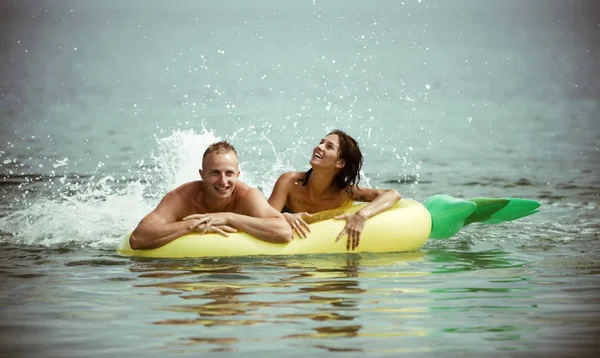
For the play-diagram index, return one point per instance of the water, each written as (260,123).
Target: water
(105,106)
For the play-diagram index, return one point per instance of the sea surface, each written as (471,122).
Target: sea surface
(107,105)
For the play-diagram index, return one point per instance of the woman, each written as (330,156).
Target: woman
(332,182)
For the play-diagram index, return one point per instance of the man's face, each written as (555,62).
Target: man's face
(220,173)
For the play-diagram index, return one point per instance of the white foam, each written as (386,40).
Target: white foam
(99,211)
(94,212)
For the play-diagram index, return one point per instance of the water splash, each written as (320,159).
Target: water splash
(92,216)
(178,158)
(96,210)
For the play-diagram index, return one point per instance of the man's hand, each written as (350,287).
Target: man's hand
(297,223)
(355,223)
(210,223)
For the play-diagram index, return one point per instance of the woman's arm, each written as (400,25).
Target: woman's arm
(380,200)
(278,199)
(280,191)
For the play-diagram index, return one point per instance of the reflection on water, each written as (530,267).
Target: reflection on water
(317,300)
(458,261)
(430,301)
(303,298)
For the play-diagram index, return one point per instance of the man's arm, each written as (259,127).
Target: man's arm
(261,220)
(254,216)
(160,226)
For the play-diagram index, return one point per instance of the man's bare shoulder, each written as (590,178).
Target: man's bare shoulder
(188,187)
(185,191)
(177,203)
(245,197)
(252,202)
(242,189)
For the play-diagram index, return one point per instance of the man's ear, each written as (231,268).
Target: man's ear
(201,172)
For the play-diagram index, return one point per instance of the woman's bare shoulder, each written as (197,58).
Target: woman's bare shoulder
(293,176)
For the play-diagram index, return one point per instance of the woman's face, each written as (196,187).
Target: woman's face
(326,153)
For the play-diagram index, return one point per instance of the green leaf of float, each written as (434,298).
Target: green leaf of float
(516,208)
(485,208)
(448,214)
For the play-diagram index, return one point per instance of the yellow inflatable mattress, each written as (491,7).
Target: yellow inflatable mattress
(404,227)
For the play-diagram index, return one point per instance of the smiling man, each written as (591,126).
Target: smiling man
(218,203)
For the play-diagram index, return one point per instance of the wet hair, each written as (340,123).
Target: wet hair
(219,147)
(349,152)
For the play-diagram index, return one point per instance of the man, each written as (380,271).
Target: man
(217,204)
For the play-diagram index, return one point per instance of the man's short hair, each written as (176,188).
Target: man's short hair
(219,147)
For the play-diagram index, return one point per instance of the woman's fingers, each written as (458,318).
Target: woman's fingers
(353,238)
(349,243)
(297,229)
(340,217)
(305,225)
(340,235)
(353,228)
(305,214)
(299,226)
(302,228)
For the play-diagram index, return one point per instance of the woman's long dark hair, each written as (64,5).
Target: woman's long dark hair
(350,153)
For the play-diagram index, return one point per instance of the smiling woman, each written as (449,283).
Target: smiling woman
(330,183)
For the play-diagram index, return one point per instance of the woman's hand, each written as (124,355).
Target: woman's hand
(297,224)
(355,223)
